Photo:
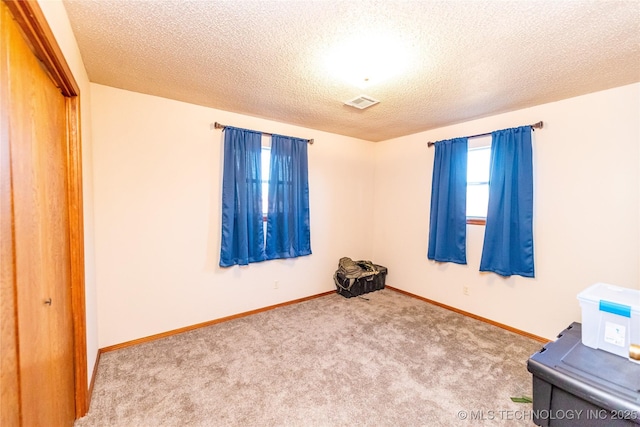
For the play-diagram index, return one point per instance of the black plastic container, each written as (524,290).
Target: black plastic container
(362,285)
(575,385)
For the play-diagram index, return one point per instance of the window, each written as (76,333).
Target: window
(243,210)
(478,164)
(266,168)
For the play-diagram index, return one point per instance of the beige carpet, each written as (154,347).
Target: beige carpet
(331,361)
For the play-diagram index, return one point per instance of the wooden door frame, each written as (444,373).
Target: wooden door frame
(32,22)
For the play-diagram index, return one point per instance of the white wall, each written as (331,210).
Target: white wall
(586,213)
(157,173)
(58,20)
(157,168)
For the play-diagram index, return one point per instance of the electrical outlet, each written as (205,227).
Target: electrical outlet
(275,284)
(465,290)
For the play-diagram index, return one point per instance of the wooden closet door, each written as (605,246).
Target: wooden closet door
(41,255)
(9,381)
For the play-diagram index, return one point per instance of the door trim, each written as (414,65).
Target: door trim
(35,27)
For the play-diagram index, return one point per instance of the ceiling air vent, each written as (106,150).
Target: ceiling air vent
(361,102)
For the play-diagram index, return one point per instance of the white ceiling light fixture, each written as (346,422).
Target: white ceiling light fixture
(361,102)
(368,60)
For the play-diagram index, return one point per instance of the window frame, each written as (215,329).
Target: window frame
(477,143)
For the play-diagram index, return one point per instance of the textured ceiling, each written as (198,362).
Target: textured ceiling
(275,59)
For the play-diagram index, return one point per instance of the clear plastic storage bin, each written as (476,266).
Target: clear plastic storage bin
(610,318)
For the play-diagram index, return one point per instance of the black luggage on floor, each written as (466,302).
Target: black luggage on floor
(351,287)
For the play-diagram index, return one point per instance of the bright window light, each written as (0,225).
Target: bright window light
(266,168)
(478,164)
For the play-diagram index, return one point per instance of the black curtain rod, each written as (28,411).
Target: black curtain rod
(217,125)
(533,126)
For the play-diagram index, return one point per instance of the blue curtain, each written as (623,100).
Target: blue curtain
(508,237)
(242,226)
(448,222)
(288,230)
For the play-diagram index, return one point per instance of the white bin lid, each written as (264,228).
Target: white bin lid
(611,293)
